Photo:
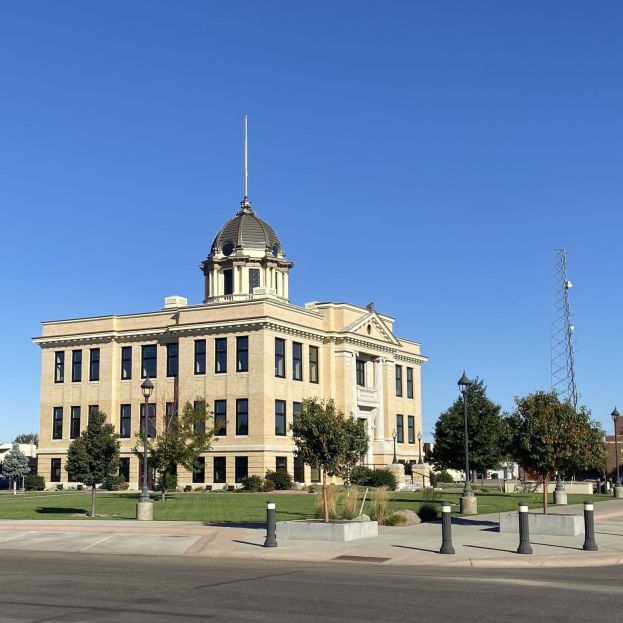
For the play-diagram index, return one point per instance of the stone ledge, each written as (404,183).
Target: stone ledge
(538,523)
(317,530)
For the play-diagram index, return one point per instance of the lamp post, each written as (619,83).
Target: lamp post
(419,441)
(394,435)
(468,501)
(144,508)
(618,486)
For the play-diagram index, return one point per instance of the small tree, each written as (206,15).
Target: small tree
(551,436)
(15,465)
(181,441)
(325,438)
(94,455)
(28,438)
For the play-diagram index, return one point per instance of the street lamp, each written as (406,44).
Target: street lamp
(615,418)
(394,435)
(419,441)
(464,384)
(147,387)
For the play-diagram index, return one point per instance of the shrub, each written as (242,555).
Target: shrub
(378,510)
(253,483)
(361,475)
(394,519)
(444,476)
(427,512)
(34,482)
(383,478)
(115,483)
(350,503)
(282,481)
(332,496)
(166,481)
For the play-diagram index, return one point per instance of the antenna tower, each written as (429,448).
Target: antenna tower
(562,362)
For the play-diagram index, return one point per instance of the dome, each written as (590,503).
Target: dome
(246,231)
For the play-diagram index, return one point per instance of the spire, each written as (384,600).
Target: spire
(245,204)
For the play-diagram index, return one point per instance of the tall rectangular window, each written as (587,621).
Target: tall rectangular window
(242,468)
(280,418)
(400,433)
(74,423)
(55,470)
(361,372)
(126,363)
(149,361)
(411,428)
(220,354)
(200,411)
(94,364)
(254,279)
(125,421)
(199,470)
(315,474)
(409,382)
(281,464)
(220,418)
(172,359)
(297,361)
(151,423)
(59,366)
(313,364)
(228,281)
(76,366)
(242,353)
(200,356)
(242,416)
(296,408)
(57,423)
(170,412)
(280,356)
(398,380)
(299,469)
(220,469)
(124,468)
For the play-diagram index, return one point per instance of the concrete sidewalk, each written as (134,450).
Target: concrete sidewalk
(476,539)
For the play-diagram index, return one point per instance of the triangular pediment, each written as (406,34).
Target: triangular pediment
(371,325)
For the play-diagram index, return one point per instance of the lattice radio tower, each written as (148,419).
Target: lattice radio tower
(562,363)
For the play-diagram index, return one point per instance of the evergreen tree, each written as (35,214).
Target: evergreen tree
(15,465)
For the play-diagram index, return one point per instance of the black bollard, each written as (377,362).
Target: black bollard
(271,525)
(590,545)
(446,529)
(524,530)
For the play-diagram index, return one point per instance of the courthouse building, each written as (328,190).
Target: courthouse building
(246,350)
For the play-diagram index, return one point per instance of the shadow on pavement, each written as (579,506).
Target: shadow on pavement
(460,521)
(247,543)
(235,524)
(54,510)
(495,549)
(562,546)
(419,549)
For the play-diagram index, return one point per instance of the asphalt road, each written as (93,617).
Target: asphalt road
(42,586)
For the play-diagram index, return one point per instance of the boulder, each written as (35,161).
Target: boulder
(411,518)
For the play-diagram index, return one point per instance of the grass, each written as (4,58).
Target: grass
(232,507)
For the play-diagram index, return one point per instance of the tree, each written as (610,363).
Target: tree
(488,432)
(326,439)
(94,455)
(181,440)
(27,438)
(15,465)
(551,436)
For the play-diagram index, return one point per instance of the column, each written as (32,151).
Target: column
(379,431)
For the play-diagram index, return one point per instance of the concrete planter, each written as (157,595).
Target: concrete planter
(561,525)
(317,530)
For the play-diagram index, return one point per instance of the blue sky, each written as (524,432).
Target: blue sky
(425,156)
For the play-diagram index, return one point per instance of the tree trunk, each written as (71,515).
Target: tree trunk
(164,493)
(545,483)
(325,502)
(14,486)
(92,501)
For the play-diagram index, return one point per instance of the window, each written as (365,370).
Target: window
(280,354)
(74,423)
(411,428)
(151,420)
(280,418)
(242,468)
(124,468)
(281,464)
(170,411)
(200,356)
(76,366)
(296,408)
(126,363)
(409,382)
(59,366)
(149,361)
(55,470)
(57,423)
(242,354)
(125,421)
(220,354)
(220,418)
(94,364)
(199,470)
(242,416)
(172,359)
(398,381)
(297,361)
(400,434)
(220,469)
(254,279)
(228,281)
(361,372)
(299,469)
(313,364)
(315,474)
(200,411)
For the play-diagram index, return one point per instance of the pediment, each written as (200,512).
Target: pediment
(371,325)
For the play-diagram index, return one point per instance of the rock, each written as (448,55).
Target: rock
(362,518)
(411,518)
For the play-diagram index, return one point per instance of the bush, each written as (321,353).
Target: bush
(383,478)
(115,483)
(394,519)
(253,483)
(349,503)
(332,497)
(444,476)
(361,475)
(380,500)
(282,481)
(166,481)
(34,482)
(427,512)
